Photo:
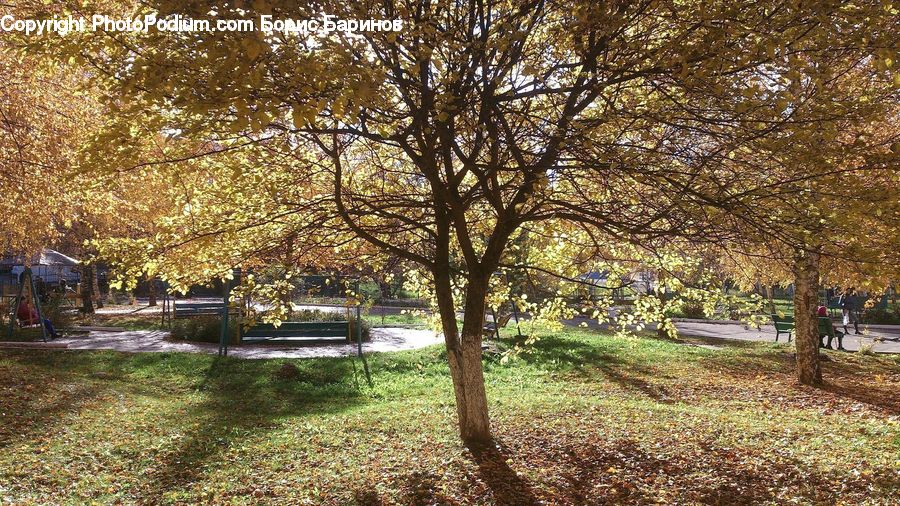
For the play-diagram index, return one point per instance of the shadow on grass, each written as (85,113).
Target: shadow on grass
(30,411)
(205,404)
(612,473)
(882,397)
(716,341)
(624,471)
(506,485)
(587,359)
(242,402)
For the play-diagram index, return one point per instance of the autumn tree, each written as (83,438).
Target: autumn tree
(40,125)
(822,204)
(48,110)
(438,144)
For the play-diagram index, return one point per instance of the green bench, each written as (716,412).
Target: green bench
(191,309)
(826,329)
(298,331)
(783,325)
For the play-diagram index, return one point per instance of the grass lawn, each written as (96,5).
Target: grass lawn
(407,320)
(584,418)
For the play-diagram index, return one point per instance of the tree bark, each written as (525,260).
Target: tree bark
(99,296)
(661,293)
(151,289)
(806,324)
(87,289)
(464,355)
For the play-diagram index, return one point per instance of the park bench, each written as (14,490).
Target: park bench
(783,325)
(191,309)
(826,329)
(492,328)
(298,331)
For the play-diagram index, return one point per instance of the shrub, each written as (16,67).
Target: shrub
(882,316)
(204,329)
(317,315)
(54,309)
(693,310)
(687,309)
(366,330)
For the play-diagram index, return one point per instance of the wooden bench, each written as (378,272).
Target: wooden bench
(783,325)
(298,331)
(826,329)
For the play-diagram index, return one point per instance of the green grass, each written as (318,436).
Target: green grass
(581,418)
(407,320)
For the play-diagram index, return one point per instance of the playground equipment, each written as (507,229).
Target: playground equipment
(26,277)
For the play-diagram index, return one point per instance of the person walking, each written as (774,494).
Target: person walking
(849,310)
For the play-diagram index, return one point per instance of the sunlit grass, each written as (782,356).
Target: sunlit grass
(579,415)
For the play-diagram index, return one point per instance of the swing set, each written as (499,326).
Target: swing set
(14,306)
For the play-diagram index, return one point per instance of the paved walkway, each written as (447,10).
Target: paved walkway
(852,342)
(882,339)
(153,341)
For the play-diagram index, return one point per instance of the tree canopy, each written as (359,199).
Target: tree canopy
(638,126)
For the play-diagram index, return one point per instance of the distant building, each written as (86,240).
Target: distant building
(636,282)
(49,266)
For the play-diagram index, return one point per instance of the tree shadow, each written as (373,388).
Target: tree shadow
(881,397)
(506,485)
(586,361)
(624,471)
(715,341)
(240,404)
(235,399)
(37,403)
(634,383)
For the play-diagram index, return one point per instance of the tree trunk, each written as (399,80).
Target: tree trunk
(661,293)
(87,289)
(464,355)
(771,297)
(151,289)
(98,294)
(806,330)
(384,289)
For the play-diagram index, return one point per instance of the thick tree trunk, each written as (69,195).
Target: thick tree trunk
(151,289)
(87,288)
(806,296)
(464,356)
(771,298)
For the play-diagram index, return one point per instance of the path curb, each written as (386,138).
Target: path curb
(29,345)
